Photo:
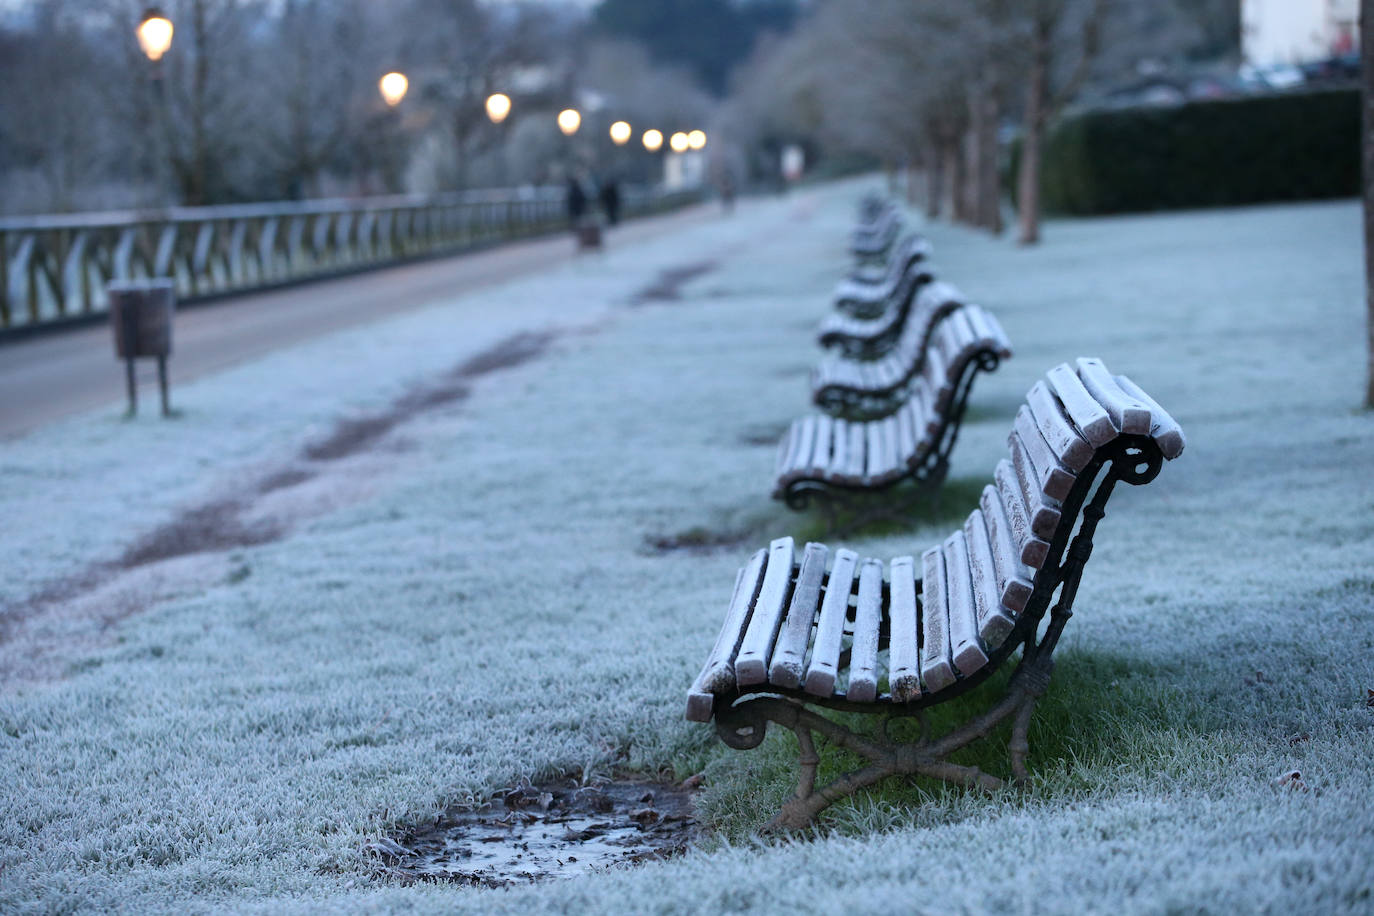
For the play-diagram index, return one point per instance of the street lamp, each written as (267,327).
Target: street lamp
(697,139)
(498,106)
(653,140)
(154,33)
(678,142)
(569,120)
(393,87)
(620,132)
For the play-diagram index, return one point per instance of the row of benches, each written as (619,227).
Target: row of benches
(906,349)
(836,630)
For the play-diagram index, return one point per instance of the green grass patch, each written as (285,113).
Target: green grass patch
(911,512)
(1105,719)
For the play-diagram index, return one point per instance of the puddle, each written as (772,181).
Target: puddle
(554,830)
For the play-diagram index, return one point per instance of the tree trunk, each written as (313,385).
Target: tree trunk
(1367,60)
(985,209)
(935,182)
(990,181)
(1037,101)
(958,178)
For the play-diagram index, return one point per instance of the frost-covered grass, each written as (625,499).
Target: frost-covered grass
(474,601)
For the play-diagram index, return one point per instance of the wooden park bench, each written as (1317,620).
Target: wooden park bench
(870,298)
(852,636)
(827,459)
(871,241)
(865,389)
(872,338)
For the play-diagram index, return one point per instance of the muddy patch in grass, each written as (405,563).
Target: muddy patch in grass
(255,512)
(699,539)
(668,286)
(763,434)
(553,830)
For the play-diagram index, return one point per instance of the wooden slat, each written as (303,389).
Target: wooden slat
(936,670)
(1089,416)
(874,457)
(839,456)
(906,433)
(751,665)
(963,343)
(718,674)
(856,451)
(1013,576)
(1031,549)
(819,462)
(934,375)
(1054,480)
(789,656)
(863,650)
(1072,450)
(1041,512)
(1164,429)
(966,651)
(904,662)
(824,664)
(998,333)
(994,622)
(788,447)
(805,442)
(1129,415)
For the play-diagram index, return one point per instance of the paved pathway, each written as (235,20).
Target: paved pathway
(48,377)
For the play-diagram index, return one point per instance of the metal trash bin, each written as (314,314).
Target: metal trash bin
(141,319)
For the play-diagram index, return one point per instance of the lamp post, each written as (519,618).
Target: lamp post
(569,120)
(393,87)
(621,132)
(696,140)
(498,107)
(678,142)
(154,33)
(653,140)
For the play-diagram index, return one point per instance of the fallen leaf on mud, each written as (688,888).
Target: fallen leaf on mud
(644,816)
(694,782)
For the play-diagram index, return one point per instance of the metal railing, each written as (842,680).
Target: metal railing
(55,268)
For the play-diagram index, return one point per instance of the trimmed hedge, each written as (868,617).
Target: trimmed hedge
(1294,146)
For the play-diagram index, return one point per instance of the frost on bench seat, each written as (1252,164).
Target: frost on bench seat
(870,636)
(822,457)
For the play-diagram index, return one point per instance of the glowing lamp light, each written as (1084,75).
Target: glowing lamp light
(498,106)
(653,140)
(697,139)
(620,132)
(569,120)
(154,33)
(678,142)
(393,87)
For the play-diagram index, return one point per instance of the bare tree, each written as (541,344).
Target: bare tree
(1054,29)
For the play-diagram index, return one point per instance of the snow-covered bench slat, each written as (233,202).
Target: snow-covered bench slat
(848,387)
(912,442)
(985,592)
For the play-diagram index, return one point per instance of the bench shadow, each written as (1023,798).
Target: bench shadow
(752,527)
(872,515)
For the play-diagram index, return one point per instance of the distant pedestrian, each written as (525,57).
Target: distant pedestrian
(610,200)
(577,202)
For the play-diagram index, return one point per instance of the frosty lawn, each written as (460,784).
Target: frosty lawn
(475,596)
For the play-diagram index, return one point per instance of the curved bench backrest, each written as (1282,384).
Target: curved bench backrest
(1074,422)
